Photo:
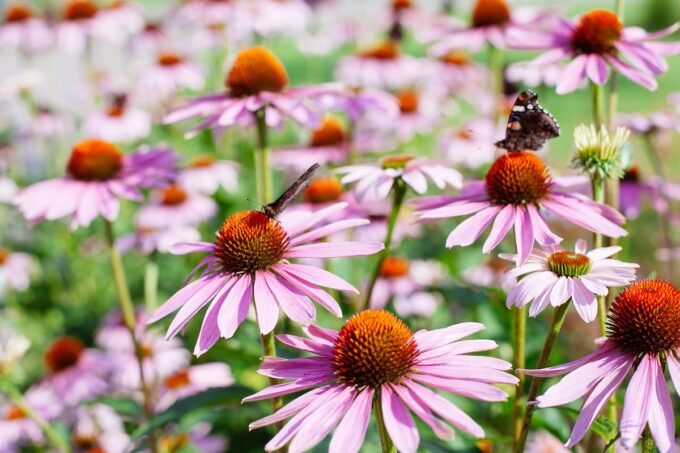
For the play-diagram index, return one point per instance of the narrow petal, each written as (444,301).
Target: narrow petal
(573,75)
(232,314)
(501,226)
(422,411)
(265,305)
(636,404)
(350,433)
(524,234)
(398,421)
(661,420)
(334,249)
(597,69)
(470,229)
(315,276)
(198,300)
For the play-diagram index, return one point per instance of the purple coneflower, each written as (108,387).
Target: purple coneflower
(17,428)
(172,72)
(206,175)
(553,276)
(148,240)
(461,76)
(516,192)
(15,270)
(174,206)
(22,30)
(97,174)
(598,41)
(192,380)
(97,428)
(249,260)
(118,122)
(376,180)
(375,361)
(257,81)
(633,187)
(329,144)
(271,17)
(471,144)
(643,335)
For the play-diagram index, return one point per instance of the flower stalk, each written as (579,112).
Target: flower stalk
(519,354)
(151,284)
(496,64)
(559,316)
(385,442)
(398,195)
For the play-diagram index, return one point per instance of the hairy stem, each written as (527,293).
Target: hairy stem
(398,195)
(555,326)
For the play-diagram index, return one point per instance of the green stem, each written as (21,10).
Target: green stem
(151,284)
(647,442)
(130,322)
(269,350)
(520,327)
(555,326)
(598,106)
(496,65)
(18,400)
(385,441)
(598,188)
(398,195)
(263,170)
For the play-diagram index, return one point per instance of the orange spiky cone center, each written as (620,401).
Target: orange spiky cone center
(18,13)
(645,318)
(255,70)
(388,50)
(331,133)
(79,10)
(394,267)
(95,160)
(63,353)
(597,32)
(488,13)
(408,101)
(322,190)
(396,162)
(399,5)
(173,195)
(4,255)
(517,178)
(169,59)
(374,348)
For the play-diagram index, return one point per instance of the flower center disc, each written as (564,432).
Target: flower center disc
(322,190)
(117,107)
(202,161)
(87,444)
(17,13)
(489,13)
(63,354)
(4,254)
(95,160)
(517,178)
(393,267)
(385,51)
(408,101)
(597,32)
(80,10)
(250,241)
(169,59)
(372,349)
(455,59)
(631,175)
(396,162)
(645,318)
(569,264)
(178,380)
(331,133)
(256,70)
(398,5)
(174,195)
(14,413)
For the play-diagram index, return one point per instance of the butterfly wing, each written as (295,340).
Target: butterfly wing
(529,125)
(275,208)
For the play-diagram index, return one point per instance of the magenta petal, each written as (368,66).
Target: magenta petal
(289,409)
(607,348)
(183,248)
(470,389)
(334,249)
(266,309)
(573,75)
(524,234)
(636,403)
(350,433)
(542,232)
(327,230)
(470,229)
(177,300)
(235,311)
(398,421)
(198,300)
(661,420)
(316,276)
(313,292)
(301,368)
(597,69)
(432,339)
(292,301)
(304,344)
(501,226)
(422,411)
(637,76)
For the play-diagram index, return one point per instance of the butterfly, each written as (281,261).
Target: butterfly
(529,125)
(276,207)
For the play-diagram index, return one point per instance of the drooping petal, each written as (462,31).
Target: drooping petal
(232,314)
(573,75)
(398,421)
(265,304)
(636,403)
(470,229)
(350,433)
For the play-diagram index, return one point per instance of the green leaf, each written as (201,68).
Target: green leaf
(124,407)
(218,396)
(604,427)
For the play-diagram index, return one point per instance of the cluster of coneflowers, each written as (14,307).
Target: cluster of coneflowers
(272,264)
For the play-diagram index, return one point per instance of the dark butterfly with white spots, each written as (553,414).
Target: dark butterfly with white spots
(277,206)
(529,125)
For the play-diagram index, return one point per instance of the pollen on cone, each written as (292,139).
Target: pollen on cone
(255,70)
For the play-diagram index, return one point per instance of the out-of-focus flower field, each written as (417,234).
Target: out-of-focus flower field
(466,269)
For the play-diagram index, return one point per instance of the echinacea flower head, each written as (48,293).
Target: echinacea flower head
(553,276)
(376,180)
(517,191)
(119,122)
(597,42)
(643,335)
(98,173)
(250,260)
(17,428)
(328,144)
(257,81)
(634,186)
(96,428)
(598,152)
(376,360)
(205,174)
(22,29)
(172,71)
(174,206)
(192,380)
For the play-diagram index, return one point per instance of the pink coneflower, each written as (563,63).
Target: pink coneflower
(250,258)
(47,123)
(383,66)
(198,436)
(329,144)
(148,240)
(171,73)
(376,180)
(378,212)
(79,22)
(271,17)
(22,30)
(595,43)
(98,173)
(8,189)
(642,335)
(206,175)
(633,188)
(516,192)
(15,270)
(490,273)
(492,22)
(525,72)
(358,102)
(471,144)
(192,380)
(74,372)
(553,276)
(119,21)
(418,114)
(544,442)
(653,123)
(18,430)
(118,122)
(459,74)
(211,11)
(174,206)
(257,81)
(375,360)
(97,428)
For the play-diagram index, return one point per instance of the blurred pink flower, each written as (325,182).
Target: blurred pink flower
(148,240)
(98,173)
(204,174)
(460,75)
(158,84)
(249,261)
(553,276)
(97,427)
(544,442)
(23,30)
(272,17)
(173,206)
(516,191)
(192,380)
(642,328)
(633,188)
(472,143)
(15,270)
(595,43)
(119,123)
(357,102)
(375,354)
(17,429)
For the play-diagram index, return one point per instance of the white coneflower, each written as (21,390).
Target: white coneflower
(598,153)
